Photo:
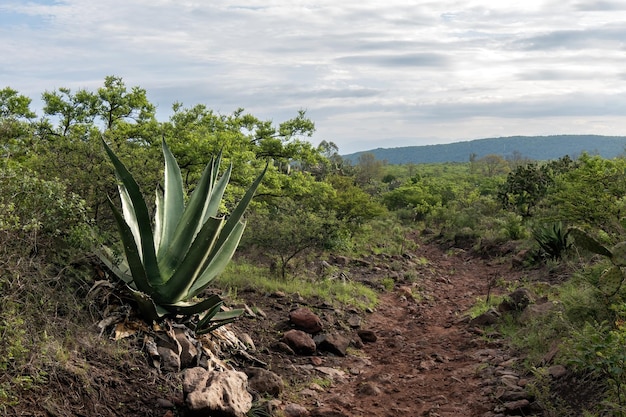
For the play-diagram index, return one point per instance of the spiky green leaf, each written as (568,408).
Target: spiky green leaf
(138,217)
(172,205)
(187,226)
(192,266)
(131,251)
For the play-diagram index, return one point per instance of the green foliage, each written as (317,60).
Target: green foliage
(599,349)
(242,275)
(530,183)
(189,246)
(612,278)
(295,228)
(590,193)
(552,238)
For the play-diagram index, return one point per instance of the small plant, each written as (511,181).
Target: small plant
(166,268)
(552,239)
(600,350)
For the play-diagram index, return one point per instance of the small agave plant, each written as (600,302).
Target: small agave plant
(168,266)
(612,279)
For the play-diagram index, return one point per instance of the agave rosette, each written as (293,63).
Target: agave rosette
(169,266)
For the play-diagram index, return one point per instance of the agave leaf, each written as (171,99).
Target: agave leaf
(585,241)
(113,268)
(173,204)
(149,310)
(158,219)
(191,308)
(131,251)
(138,216)
(212,204)
(218,259)
(188,224)
(192,265)
(218,319)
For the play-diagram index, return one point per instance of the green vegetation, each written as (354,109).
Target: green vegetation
(311,207)
(166,268)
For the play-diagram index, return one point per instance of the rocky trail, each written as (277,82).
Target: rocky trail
(417,354)
(427,359)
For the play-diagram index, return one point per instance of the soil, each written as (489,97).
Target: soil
(426,361)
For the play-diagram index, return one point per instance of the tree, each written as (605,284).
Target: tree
(294,229)
(493,165)
(368,168)
(15,121)
(72,110)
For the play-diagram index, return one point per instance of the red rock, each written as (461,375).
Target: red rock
(305,320)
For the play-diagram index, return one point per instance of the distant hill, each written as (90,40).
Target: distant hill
(532,147)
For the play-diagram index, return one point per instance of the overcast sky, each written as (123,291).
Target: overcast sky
(369,73)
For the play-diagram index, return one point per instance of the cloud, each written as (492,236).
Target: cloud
(364,70)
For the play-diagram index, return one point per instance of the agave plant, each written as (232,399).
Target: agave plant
(168,266)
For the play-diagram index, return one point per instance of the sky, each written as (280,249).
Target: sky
(370,74)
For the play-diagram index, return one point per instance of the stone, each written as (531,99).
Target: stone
(170,360)
(188,350)
(516,405)
(518,300)
(333,343)
(283,347)
(354,321)
(264,381)
(295,410)
(535,311)
(305,320)
(557,371)
(488,318)
(301,342)
(367,336)
(216,393)
(328,412)
(370,389)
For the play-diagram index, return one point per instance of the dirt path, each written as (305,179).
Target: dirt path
(426,361)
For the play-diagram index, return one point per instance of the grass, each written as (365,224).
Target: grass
(239,275)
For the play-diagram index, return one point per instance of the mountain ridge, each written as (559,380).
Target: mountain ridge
(532,147)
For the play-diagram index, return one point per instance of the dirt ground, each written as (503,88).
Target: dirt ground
(426,360)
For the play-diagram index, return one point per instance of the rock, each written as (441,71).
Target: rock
(295,410)
(301,342)
(333,343)
(283,347)
(535,311)
(332,373)
(328,412)
(216,393)
(305,320)
(316,360)
(170,360)
(518,300)
(369,388)
(188,350)
(264,381)
(516,405)
(163,403)
(367,336)
(557,371)
(354,321)
(488,318)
